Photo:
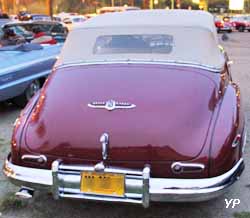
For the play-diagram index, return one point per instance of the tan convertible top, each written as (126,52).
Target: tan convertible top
(194,37)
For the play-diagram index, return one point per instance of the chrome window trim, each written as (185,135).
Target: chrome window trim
(153,62)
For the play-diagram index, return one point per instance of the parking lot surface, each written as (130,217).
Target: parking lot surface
(42,205)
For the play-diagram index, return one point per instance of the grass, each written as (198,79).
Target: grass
(10,202)
(242,215)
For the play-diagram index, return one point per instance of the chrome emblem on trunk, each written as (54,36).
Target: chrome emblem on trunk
(111,105)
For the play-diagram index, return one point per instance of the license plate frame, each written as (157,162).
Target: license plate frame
(102,183)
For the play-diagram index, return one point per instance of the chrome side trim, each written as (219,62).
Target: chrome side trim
(25,79)
(26,64)
(153,62)
(244,139)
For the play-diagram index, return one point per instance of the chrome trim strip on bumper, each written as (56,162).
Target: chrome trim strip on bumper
(64,182)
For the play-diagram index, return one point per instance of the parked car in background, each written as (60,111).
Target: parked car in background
(1,33)
(25,71)
(241,23)
(4,18)
(19,30)
(104,126)
(53,28)
(73,21)
(40,17)
(223,25)
(23,16)
(61,16)
(26,16)
(104,10)
(90,15)
(13,17)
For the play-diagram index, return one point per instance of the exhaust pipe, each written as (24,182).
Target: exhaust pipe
(25,193)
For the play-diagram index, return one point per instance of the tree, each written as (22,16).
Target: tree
(49,7)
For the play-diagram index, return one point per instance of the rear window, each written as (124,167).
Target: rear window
(146,43)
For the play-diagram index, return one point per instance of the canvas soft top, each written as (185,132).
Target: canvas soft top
(194,37)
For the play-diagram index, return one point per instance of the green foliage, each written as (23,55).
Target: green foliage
(242,215)
(10,202)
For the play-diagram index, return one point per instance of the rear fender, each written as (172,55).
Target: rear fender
(230,123)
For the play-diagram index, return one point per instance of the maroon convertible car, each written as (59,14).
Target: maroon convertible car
(141,107)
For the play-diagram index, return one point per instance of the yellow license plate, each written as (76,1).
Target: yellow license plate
(103,183)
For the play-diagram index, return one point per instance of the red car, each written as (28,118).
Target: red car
(223,25)
(133,113)
(241,23)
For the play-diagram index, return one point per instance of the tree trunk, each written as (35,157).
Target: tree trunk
(49,6)
(3,4)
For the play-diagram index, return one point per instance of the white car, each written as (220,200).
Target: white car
(74,20)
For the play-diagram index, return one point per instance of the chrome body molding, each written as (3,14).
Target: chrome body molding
(244,138)
(140,188)
(25,79)
(24,65)
(152,62)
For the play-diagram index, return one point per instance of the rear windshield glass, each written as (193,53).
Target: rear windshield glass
(146,43)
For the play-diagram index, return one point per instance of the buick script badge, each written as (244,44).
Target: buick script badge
(111,105)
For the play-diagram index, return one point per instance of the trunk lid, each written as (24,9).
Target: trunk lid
(174,107)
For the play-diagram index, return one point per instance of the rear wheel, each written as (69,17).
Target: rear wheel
(241,29)
(30,91)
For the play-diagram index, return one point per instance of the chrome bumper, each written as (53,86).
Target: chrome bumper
(64,182)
